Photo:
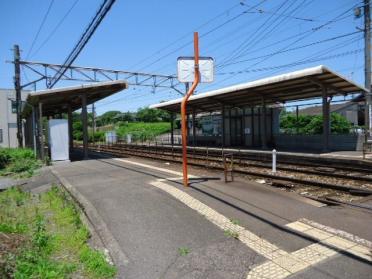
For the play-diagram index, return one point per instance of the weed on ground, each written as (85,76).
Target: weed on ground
(230,233)
(18,162)
(183,251)
(44,237)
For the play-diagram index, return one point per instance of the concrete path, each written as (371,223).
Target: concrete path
(213,229)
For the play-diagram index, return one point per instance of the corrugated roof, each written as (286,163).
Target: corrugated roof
(298,85)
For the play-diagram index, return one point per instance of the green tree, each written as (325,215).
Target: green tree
(152,115)
(126,116)
(108,118)
(313,124)
(77,128)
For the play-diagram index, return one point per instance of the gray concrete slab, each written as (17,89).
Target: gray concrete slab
(7,182)
(41,177)
(337,267)
(150,225)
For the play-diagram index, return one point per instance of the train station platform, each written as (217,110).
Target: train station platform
(156,228)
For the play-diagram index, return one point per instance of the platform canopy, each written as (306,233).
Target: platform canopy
(57,100)
(295,86)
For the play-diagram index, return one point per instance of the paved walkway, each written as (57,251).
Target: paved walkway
(213,229)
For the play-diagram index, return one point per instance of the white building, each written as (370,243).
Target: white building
(8,117)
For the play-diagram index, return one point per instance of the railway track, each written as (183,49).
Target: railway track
(361,174)
(350,180)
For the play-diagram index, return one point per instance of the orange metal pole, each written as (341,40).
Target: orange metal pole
(184,109)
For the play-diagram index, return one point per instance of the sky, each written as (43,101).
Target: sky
(248,40)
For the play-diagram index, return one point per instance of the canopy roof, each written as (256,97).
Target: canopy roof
(57,100)
(299,85)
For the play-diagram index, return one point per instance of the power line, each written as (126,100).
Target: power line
(260,11)
(187,34)
(40,27)
(286,47)
(93,25)
(260,48)
(203,35)
(298,62)
(295,48)
(347,53)
(253,37)
(232,32)
(306,34)
(247,11)
(208,32)
(56,27)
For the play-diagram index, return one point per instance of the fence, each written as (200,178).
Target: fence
(351,142)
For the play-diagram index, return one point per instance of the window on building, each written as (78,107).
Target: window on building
(1,135)
(14,107)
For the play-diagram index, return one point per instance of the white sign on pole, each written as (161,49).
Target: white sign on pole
(186,70)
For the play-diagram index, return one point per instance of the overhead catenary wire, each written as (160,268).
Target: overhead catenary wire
(338,55)
(202,35)
(221,41)
(260,48)
(265,69)
(51,34)
(225,36)
(245,70)
(305,35)
(258,32)
(283,51)
(88,33)
(261,11)
(295,48)
(186,35)
(40,28)
(306,60)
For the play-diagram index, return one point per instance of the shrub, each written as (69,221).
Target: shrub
(143,131)
(4,157)
(98,136)
(313,124)
(18,160)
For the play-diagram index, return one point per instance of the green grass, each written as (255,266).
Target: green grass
(235,221)
(143,131)
(55,243)
(183,251)
(19,162)
(230,233)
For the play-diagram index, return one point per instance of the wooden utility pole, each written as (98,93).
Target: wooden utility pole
(367,63)
(17,87)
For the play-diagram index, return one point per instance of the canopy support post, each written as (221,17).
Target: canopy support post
(84,118)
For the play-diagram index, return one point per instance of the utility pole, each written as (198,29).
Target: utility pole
(367,63)
(17,87)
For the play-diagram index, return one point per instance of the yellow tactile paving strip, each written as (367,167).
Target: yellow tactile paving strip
(343,234)
(279,264)
(333,237)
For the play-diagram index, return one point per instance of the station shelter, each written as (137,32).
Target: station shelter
(247,115)
(53,103)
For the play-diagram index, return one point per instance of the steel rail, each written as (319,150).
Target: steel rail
(349,189)
(242,162)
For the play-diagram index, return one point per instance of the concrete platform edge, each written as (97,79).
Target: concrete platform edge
(95,223)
